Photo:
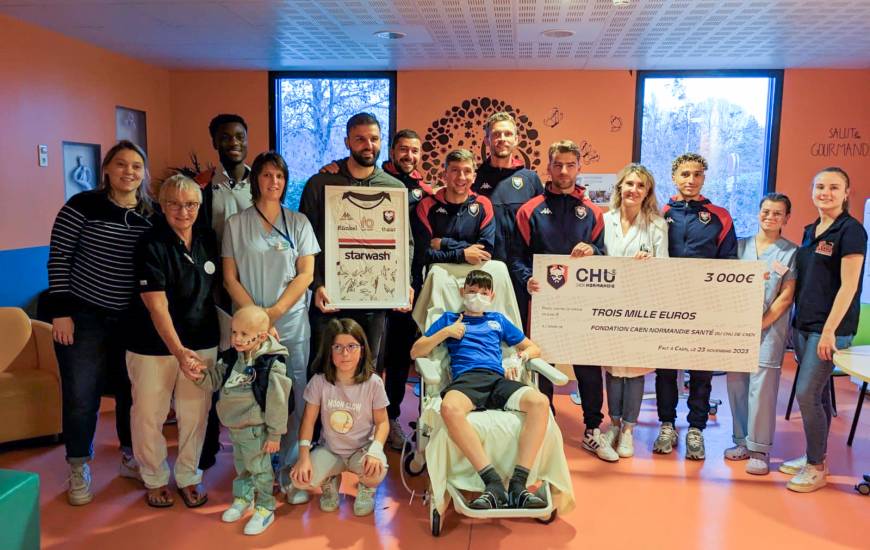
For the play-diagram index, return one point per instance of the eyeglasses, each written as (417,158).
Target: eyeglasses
(350,348)
(189,206)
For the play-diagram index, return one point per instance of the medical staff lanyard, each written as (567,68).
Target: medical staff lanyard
(285,233)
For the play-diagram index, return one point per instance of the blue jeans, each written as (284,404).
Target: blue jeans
(813,392)
(624,396)
(93,363)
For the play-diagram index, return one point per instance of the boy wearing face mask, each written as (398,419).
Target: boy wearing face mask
(473,338)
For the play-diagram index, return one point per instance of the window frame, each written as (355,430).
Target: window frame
(276,76)
(774,110)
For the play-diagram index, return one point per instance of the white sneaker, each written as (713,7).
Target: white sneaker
(810,478)
(396,438)
(79,492)
(262,518)
(737,452)
(129,468)
(594,443)
(330,497)
(297,496)
(758,464)
(794,466)
(365,500)
(611,436)
(625,448)
(237,509)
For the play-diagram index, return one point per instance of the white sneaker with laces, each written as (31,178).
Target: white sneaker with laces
(396,438)
(625,448)
(810,478)
(129,468)
(794,466)
(79,492)
(262,518)
(611,436)
(240,507)
(594,443)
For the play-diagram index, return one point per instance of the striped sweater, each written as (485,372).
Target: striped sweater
(90,258)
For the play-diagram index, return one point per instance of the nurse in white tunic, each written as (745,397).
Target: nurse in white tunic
(633,227)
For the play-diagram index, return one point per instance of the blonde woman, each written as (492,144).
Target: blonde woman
(634,228)
(173,334)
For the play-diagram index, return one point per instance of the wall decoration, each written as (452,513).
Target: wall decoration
(615,123)
(81,167)
(130,124)
(554,118)
(588,155)
(461,126)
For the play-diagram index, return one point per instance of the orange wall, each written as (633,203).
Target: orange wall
(814,102)
(199,95)
(54,89)
(587,101)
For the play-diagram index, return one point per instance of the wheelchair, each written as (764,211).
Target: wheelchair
(449,472)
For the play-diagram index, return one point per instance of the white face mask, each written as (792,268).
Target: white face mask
(476,302)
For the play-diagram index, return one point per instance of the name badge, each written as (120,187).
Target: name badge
(825,248)
(779,268)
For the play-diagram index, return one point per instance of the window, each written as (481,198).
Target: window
(731,118)
(309,113)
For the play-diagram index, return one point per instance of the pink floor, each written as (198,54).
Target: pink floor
(644,502)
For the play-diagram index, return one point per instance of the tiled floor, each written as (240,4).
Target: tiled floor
(644,502)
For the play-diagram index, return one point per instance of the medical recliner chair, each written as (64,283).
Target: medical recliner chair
(450,473)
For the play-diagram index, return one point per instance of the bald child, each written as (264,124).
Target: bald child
(254,401)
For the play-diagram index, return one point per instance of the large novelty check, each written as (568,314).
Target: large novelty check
(657,313)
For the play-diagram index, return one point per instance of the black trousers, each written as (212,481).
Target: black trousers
(400,335)
(667,394)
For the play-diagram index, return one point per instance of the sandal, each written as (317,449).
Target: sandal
(193,495)
(159,497)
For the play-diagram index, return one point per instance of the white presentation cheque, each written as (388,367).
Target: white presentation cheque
(660,313)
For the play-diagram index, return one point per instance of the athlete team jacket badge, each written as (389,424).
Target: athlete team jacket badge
(417,193)
(704,217)
(557,274)
(474,209)
(389,216)
(580,212)
(517,182)
(825,248)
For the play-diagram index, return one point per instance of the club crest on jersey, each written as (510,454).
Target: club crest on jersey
(389,216)
(474,209)
(417,193)
(517,182)
(580,212)
(704,217)
(557,274)
(825,248)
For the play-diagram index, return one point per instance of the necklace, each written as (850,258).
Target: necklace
(122,205)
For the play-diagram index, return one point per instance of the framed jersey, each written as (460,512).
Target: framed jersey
(366,247)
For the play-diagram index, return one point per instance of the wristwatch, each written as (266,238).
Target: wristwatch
(304,442)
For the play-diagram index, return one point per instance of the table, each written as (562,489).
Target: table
(856,362)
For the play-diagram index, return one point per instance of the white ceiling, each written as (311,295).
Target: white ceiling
(466,34)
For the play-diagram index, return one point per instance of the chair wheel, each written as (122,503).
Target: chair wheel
(713,410)
(548,520)
(863,488)
(408,464)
